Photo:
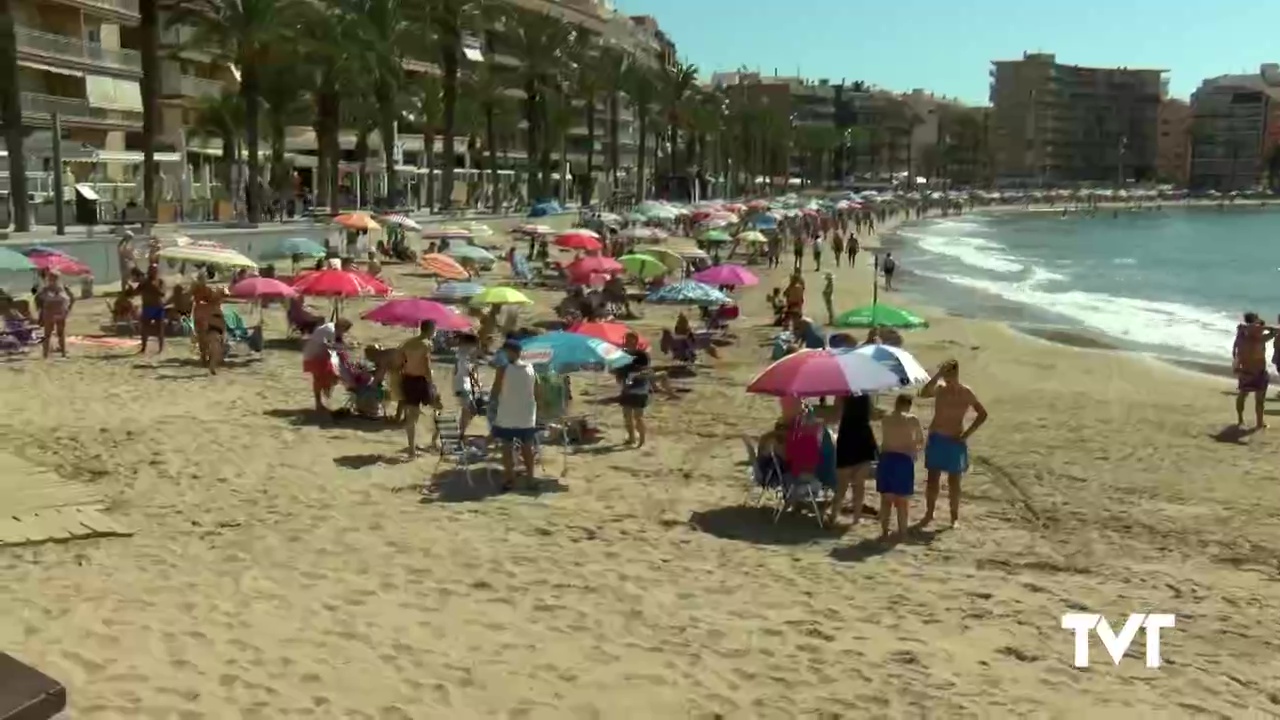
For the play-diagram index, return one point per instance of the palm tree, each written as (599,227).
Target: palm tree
(430,109)
(642,89)
(450,20)
(540,41)
(283,86)
(326,43)
(11,115)
(221,117)
(244,32)
(612,64)
(678,83)
(150,86)
(588,83)
(490,96)
(385,32)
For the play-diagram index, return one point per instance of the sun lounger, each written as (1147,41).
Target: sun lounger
(27,693)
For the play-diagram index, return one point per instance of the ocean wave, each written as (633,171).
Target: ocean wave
(1124,261)
(1146,322)
(972,251)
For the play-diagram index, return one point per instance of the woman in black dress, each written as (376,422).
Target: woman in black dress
(856,449)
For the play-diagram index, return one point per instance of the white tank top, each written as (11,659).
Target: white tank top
(517,405)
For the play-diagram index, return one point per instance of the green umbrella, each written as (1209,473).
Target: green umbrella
(12,261)
(643,266)
(716,236)
(884,315)
(289,247)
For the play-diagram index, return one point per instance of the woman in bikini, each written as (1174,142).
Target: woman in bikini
(210,325)
(53,301)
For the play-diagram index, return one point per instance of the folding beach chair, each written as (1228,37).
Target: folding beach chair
(764,474)
(454,448)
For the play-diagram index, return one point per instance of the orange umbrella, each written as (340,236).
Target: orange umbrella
(443,266)
(357,221)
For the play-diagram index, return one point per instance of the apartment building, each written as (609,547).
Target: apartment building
(1057,123)
(1173,159)
(1235,131)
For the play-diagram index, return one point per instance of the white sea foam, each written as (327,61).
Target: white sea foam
(972,251)
(1124,261)
(1146,322)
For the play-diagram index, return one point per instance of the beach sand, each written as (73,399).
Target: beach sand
(277,573)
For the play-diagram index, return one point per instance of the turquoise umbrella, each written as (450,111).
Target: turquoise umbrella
(11,261)
(289,247)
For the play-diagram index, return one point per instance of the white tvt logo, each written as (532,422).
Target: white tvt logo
(1116,645)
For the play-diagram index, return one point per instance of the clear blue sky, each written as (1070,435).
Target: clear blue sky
(946,45)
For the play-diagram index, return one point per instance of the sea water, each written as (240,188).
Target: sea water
(1172,282)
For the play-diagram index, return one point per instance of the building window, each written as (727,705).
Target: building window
(94,35)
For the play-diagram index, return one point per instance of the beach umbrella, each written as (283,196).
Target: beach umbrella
(333,283)
(479,229)
(61,264)
(446,232)
(43,250)
(567,352)
(716,236)
(594,264)
(206,253)
(902,363)
(443,266)
(765,221)
(294,246)
(669,258)
(501,296)
(819,373)
(644,267)
(258,288)
(401,220)
(532,229)
(728,274)
(688,292)
(357,221)
(882,315)
(477,255)
(412,312)
(754,237)
(643,233)
(614,333)
(578,239)
(457,291)
(636,217)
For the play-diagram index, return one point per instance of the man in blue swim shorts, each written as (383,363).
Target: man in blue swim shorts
(901,439)
(947,449)
(151,292)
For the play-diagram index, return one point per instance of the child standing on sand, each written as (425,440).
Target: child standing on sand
(901,440)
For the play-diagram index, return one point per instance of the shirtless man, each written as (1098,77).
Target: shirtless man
(1249,362)
(210,325)
(947,450)
(901,440)
(416,388)
(151,292)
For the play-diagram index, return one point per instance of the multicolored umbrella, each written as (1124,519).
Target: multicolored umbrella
(902,363)
(688,292)
(14,262)
(295,246)
(820,373)
(443,266)
(43,250)
(446,232)
(258,288)
(579,239)
(501,296)
(614,333)
(457,291)
(880,315)
(401,220)
(357,221)
(59,263)
(412,312)
(644,267)
(567,352)
(728,274)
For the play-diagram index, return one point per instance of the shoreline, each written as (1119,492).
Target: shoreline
(1076,337)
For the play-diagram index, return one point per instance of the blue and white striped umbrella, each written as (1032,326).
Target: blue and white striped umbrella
(902,363)
(457,291)
(688,292)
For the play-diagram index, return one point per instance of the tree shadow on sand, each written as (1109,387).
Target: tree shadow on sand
(756,525)
(455,485)
(308,417)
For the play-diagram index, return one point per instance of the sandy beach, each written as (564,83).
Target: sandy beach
(278,573)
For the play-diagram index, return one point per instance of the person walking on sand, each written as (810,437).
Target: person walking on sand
(947,449)
(852,250)
(797,248)
(151,293)
(828,295)
(1249,362)
(837,247)
(817,252)
(53,303)
(901,440)
(515,412)
(416,382)
(890,266)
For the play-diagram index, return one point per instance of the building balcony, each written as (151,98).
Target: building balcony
(71,52)
(124,11)
(38,111)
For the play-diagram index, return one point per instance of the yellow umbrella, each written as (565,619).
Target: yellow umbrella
(753,236)
(357,221)
(501,296)
(207,255)
(671,260)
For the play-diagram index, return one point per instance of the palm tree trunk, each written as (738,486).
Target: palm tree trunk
(279,175)
(673,142)
(491,142)
(150,31)
(544,160)
(614,131)
(429,140)
(532,185)
(11,114)
(588,187)
(387,115)
(451,63)
(251,94)
(641,152)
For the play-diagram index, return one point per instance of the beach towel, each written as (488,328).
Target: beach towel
(106,341)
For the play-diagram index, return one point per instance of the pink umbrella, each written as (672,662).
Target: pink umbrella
(332,283)
(730,274)
(61,264)
(818,373)
(578,240)
(595,264)
(258,288)
(412,312)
